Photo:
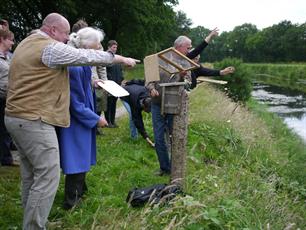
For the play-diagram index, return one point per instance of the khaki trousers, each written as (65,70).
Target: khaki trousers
(37,145)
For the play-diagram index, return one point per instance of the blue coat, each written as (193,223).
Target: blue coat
(78,142)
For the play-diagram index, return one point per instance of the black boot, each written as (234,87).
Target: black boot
(75,187)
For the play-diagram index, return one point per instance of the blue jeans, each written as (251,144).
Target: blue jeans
(160,125)
(133,129)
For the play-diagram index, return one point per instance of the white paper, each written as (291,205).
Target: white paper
(113,88)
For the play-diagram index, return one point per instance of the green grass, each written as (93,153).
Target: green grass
(245,170)
(134,73)
(285,75)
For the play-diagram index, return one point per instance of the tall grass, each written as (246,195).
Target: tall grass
(135,73)
(286,75)
(240,175)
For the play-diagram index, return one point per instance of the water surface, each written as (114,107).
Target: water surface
(288,104)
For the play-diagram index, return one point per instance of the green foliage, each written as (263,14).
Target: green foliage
(140,27)
(196,35)
(135,73)
(222,141)
(9,198)
(286,75)
(239,86)
(237,40)
(146,27)
(288,142)
(281,42)
(244,171)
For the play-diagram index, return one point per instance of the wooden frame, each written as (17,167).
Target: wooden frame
(165,60)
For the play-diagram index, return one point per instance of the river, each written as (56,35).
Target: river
(288,104)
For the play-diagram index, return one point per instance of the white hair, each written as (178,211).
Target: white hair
(85,37)
(181,40)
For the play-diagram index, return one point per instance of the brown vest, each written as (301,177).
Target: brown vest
(36,91)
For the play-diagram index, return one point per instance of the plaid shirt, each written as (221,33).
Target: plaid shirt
(58,54)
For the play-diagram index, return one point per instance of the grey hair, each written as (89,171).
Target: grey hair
(85,37)
(181,40)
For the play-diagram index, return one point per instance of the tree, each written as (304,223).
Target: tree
(26,15)
(294,43)
(237,40)
(140,27)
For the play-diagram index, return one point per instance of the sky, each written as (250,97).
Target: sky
(226,14)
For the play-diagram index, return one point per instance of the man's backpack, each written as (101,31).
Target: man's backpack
(153,194)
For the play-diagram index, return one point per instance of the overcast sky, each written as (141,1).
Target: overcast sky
(226,14)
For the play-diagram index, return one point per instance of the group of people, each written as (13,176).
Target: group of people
(38,100)
(51,107)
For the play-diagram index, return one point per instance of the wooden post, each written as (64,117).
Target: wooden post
(179,142)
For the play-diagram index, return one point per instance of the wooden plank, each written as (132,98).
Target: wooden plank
(151,68)
(206,79)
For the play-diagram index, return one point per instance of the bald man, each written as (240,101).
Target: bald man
(38,101)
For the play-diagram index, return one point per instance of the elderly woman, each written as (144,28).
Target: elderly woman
(78,142)
(6,43)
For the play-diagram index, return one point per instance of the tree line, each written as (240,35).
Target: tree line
(282,42)
(143,27)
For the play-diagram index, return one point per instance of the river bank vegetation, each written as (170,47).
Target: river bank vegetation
(245,170)
(291,76)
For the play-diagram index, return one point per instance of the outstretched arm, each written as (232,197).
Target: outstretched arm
(196,51)
(227,70)
(212,34)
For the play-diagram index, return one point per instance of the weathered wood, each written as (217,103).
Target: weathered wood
(151,68)
(166,59)
(201,79)
(153,63)
(171,97)
(179,142)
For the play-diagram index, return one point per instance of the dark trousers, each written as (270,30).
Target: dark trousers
(160,126)
(75,187)
(110,113)
(5,139)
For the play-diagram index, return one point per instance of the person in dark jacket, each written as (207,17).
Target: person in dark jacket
(139,100)
(202,71)
(115,74)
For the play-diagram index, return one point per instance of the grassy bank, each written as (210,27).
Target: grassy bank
(245,171)
(135,73)
(286,75)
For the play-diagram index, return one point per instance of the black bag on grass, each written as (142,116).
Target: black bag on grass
(153,194)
